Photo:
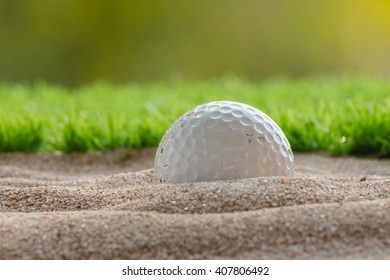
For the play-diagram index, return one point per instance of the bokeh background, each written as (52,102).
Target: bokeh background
(73,42)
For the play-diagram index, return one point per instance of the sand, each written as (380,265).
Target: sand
(107,206)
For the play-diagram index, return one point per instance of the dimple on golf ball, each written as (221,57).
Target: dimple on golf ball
(222,140)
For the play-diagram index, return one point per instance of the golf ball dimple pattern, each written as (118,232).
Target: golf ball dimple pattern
(223,140)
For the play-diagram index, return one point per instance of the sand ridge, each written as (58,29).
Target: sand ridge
(108,206)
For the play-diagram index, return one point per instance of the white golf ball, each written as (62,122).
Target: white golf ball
(222,140)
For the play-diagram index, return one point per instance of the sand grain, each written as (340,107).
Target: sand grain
(107,206)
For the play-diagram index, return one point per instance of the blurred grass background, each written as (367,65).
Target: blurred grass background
(340,115)
(87,75)
(74,42)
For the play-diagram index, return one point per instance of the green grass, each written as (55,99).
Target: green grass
(347,115)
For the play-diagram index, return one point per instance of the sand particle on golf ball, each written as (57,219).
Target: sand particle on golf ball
(222,140)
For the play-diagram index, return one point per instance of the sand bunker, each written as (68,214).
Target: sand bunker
(107,206)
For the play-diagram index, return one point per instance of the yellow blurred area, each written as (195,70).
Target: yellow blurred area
(366,36)
(78,41)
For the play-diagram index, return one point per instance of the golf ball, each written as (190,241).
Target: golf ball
(222,140)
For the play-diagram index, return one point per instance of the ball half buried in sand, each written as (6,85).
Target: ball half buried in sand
(222,140)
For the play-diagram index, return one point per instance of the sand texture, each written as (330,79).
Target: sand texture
(107,206)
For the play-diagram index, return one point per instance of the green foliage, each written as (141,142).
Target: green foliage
(75,42)
(20,133)
(349,115)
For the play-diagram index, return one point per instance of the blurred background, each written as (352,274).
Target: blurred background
(72,42)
